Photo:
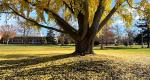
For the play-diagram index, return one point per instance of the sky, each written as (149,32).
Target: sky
(12,21)
(44,31)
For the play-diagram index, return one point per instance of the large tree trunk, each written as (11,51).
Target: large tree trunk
(84,47)
(148,39)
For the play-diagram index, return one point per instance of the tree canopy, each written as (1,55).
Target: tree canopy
(43,11)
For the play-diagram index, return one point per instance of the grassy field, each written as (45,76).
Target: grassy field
(55,63)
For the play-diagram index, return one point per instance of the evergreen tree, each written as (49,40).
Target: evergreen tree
(144,36)
(50,37)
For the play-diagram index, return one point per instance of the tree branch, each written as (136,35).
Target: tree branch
(97,17)
(55,15)
(139,8)
(83,29)
(132,6)
(114,9)
(61,22)
(68,7)
(31,20)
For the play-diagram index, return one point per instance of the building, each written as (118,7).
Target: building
(28,40)
(33,38)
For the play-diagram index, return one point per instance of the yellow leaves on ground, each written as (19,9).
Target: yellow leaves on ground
(51,63)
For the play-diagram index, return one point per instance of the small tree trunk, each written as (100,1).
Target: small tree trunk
(7,41)
(102,43)
(84,47)
(106,43)
(148,44)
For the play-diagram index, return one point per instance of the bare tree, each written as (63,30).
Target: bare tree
(8,31)
(65,39)
(25,28)
(118,33)
(130,35)
(106,36)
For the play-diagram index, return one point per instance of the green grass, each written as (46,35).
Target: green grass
(19,62)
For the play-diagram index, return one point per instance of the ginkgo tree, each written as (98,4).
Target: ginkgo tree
(91,16)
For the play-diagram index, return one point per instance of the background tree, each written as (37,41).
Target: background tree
(26,29)
(91,16)
(50,37)
(130,36)
(117,34)
(61,39)
(106,36)
(145,31)
(7,31)
(145,16)
(142,38)
(64,39)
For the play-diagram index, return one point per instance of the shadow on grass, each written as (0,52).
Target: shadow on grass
(17,56)
(81,70)
(31,61)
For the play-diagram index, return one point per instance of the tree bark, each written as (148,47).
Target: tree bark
(84,47)
(102,42)
(7,41)
(148,39)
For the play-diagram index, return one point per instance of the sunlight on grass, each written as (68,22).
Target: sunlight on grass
(130,55)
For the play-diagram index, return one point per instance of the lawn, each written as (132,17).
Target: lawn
(55,63)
